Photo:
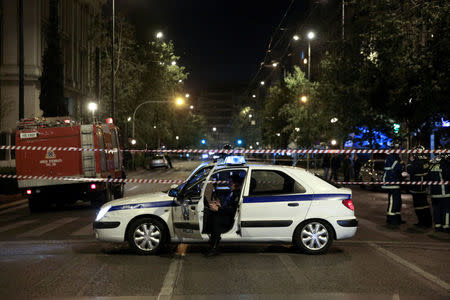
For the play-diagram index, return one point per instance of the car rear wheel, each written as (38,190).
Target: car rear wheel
(313,237)
(119,191)
(147,236)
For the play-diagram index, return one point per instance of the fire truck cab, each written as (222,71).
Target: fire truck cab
(46,169)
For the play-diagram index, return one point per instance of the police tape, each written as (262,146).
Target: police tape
(179,181)
(231,151)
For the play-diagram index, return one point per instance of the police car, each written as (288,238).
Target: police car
(277,204)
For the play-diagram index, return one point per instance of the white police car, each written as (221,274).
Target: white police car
(277,204)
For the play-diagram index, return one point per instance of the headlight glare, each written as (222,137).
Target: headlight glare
(102,212)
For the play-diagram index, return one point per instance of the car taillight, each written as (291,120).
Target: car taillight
(348,203)
(28,192)
(93,186)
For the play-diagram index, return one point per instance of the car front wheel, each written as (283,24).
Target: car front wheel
(147,236)
(313,237)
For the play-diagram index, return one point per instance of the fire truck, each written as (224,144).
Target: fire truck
(59,164)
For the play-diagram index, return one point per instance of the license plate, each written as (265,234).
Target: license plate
(28,135)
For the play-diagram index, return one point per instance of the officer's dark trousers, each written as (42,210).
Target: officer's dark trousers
(219,224)
(394,206)
(422,209)
(441,213)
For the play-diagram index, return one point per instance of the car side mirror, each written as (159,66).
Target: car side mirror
(173,193)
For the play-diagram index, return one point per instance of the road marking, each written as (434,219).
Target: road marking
(13,208)
(86,230)
(170,280)
(132,188)
(292,268)
(93,277)
(413,267)
(374,227)
(46,228)
(15,225)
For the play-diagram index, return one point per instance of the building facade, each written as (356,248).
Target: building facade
(75,19)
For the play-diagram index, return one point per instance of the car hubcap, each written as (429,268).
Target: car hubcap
(147,236)
(314,236)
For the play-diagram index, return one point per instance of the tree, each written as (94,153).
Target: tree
(51,96)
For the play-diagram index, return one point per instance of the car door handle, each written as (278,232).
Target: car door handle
(292,204)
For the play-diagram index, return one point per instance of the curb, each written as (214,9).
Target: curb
(13,204)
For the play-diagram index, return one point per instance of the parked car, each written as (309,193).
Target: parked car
(156,161)
(277,204)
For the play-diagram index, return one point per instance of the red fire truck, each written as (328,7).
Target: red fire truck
(65,132)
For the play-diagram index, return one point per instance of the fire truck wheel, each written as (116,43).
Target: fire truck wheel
(103,197)
(37,204)
(119,191)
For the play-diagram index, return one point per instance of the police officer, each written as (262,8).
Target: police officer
(440,194)
(417,169)
(393,172)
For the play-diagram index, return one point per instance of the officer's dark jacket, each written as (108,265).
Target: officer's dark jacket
(392,170)
(440,172)
(418,171)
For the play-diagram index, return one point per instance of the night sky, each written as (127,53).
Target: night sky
(218,41)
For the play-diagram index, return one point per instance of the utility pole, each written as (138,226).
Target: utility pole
(343,19)
(113,87)
(21,63)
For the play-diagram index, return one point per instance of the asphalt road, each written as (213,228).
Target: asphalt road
(54,255)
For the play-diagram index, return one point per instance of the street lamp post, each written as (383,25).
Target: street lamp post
(311,36)
(179,101)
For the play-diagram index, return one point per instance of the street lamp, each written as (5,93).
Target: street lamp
(214,129)
(262,82)
(159,35)
(274,64)
(129,119)
(297,129)
(334,120)
(253,96)
(250,116)
(311,35)
(333,142)
(305,61)
(179,101)
(191,107)
(173,63)
(133,142)
(187,95)
(92,106)
(304,99)
(296,37)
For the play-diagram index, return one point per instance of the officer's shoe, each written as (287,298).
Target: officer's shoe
(212,252)
(392,226)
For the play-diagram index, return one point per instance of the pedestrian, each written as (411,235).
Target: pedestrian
(335,166)
(169,162)
(347,167)
(222,212)
(440,194)
(417,169)
(357,167)
(393,173)
(326,163)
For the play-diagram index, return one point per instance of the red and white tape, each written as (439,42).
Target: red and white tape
(234,151)
(178,181)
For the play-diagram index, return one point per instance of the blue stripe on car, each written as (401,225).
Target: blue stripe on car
(143,205)
(303,197)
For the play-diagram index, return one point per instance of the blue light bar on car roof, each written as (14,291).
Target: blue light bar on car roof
(234,160)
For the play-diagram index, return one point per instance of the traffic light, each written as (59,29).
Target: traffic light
(396,128)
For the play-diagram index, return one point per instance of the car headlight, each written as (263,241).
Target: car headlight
(102,212)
